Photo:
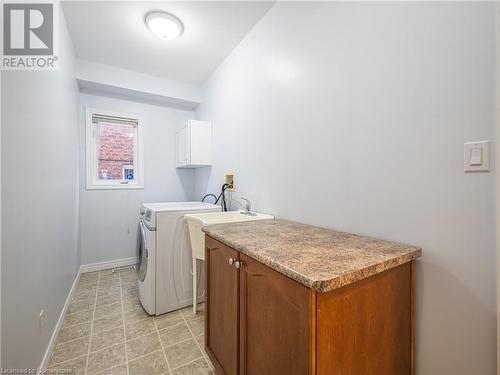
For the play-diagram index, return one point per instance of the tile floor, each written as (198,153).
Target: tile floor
(107,332)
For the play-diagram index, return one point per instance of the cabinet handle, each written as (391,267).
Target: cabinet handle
(231,261)
(238,264)
(211,248)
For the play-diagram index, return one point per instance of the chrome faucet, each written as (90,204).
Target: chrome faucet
(248,205)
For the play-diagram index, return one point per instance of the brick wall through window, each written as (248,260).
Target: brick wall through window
(116,150)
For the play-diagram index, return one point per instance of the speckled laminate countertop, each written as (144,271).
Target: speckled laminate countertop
(321,259)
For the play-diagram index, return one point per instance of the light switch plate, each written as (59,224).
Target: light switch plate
(477,156)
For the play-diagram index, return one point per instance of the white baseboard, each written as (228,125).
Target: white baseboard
(55,333)
(108,264)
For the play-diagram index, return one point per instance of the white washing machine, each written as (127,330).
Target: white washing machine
(165,261)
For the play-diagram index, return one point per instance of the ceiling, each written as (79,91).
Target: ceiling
(114,33)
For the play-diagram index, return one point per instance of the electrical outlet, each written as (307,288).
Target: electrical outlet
(40,321)
(230,180)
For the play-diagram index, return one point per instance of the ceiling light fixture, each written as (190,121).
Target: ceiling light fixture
(164,25)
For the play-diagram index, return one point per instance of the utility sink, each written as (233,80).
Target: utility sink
(197,221)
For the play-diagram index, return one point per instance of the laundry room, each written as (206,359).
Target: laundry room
(249,187)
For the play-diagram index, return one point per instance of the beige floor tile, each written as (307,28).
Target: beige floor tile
(128,274)
(188,312)
(102,311)
(211,367)
(143,345)
(140,328)
(108,290)
(117,370)
(182,353)
(106,339)
(79,304)
(135,314)
(106,358)
(89,283)
(83,293)
(76,365)
(107,274)
(129,285)
(201,341)
(78,317)
(89,276)
(131,303)
(168,319)
(197,326)
(74,332)
(111,282)
(69,350)
(198,367)
(86,286)
(80,295)
(88,280)
(108,322)
(108,298)
(174,334)
(151,364)
(130,293)
(133,290)
(109,293)
(129,277)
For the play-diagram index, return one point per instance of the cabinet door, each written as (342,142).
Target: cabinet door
(276,322)
(183,147)
(372,322)
(221,312)
(201,142)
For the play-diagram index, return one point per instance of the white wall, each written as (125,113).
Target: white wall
(39,203)
(109,218)
(353,116)
(147,88)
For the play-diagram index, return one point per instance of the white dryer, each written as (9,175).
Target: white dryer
(165,261)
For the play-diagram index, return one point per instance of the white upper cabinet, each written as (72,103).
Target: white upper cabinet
(194,145)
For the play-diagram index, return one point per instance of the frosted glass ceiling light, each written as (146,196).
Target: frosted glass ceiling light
(164,25)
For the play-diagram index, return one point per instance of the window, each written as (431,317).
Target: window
(114,151)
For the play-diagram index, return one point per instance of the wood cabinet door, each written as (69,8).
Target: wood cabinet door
(367,327)
(276,322)
(221,312)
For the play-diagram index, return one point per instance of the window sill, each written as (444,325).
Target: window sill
(115,187)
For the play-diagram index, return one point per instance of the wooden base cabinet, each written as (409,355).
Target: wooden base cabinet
(221,307)
(260,322)
(276,322)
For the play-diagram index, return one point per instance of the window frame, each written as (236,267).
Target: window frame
(91,143)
